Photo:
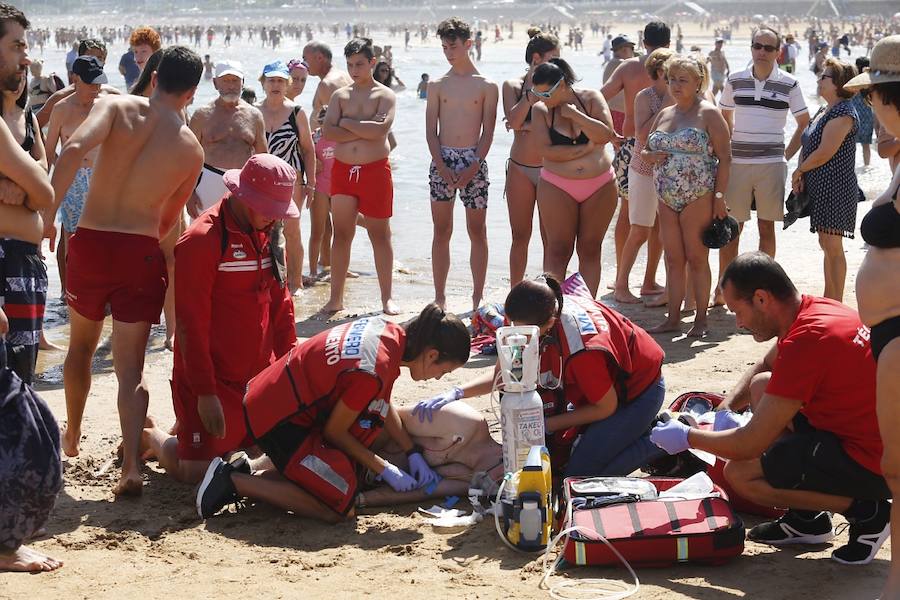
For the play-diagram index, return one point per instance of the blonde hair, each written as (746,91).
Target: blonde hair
(691,65)
(656,60)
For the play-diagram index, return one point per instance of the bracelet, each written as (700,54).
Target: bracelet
(416,449)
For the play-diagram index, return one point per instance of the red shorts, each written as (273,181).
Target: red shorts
(124,270)
(370,184)
(618,121)
(194,442)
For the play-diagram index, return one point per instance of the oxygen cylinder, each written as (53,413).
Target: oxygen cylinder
(521,408)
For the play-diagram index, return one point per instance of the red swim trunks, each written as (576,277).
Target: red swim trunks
(371,184)
(127,271)
(194,442)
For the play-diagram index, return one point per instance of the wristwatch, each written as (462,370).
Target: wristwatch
(719,195)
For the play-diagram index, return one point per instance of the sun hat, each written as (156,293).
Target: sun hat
(276,69)
(884,65)
(89,69)
(720,232)
(266,184)
(229,67)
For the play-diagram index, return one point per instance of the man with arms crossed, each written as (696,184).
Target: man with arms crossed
(144,173)
(755,104)
(813,444)
(359,119)
(460,115)
(230,131)
(317,56)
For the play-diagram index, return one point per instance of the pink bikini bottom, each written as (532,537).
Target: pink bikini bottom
(579,189)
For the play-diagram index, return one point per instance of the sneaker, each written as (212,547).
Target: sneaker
(791,528)
(241,462)
(216,491)
(866,537)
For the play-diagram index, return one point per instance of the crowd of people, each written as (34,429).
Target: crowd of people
(683,147)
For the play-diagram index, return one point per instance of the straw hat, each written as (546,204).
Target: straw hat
(884,66)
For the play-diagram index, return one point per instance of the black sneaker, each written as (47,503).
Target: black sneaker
(866,537)
(216,491)
(241,462)
(791,528)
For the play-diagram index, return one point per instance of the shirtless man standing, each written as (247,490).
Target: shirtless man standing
(87,47)
(68,114)
(631,77)
(147,165)
(317,57)
(460,114)
(718,67)
(230,131)
(359,119)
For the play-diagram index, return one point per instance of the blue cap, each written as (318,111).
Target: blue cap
(276,69)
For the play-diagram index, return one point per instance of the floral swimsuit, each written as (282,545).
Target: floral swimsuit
(690,170)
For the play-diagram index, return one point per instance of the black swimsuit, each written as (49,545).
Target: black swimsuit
(881,228)
(28,143)
(558,139)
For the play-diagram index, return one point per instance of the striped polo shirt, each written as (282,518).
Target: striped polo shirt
(760,114)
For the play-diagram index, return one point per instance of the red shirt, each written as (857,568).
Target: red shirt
(234,318)
(825,361)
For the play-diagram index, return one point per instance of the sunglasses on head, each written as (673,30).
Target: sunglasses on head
(766,47)
(549,92)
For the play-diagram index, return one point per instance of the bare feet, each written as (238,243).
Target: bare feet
(441,302)
(698,329)
(625,297)
(718,298)
(46,345)
(28,560)
(690,305)
(328,311)
(390,307)
(129,486)
(70,442)
(653,290)
(666,326)
(656,301)
(169,344)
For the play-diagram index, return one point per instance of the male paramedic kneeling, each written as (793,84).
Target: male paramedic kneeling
(234,312)
(316,411)
(813,444)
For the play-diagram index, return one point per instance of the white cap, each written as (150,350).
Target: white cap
(229,67)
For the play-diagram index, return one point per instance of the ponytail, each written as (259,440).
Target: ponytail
(552,71)
(444,332)
(535,302)
(539,43)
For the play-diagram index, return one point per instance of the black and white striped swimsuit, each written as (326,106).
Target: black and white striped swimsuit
(284,143)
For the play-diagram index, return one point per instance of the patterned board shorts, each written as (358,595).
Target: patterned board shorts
(73,203)
(31,470)
(23,294)
(620,163)
(475,194)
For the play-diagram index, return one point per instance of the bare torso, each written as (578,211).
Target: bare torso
(20,223)
(635,78)
(617,102)
(144,170)
(72,113)
(717,63)
(590,165)
(328,85)
(228,133)
(877,285)
(523,150)
(363,104)
(461,108)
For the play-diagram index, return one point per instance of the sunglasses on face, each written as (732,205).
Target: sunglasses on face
(549,92)
(824,76)
(766,47)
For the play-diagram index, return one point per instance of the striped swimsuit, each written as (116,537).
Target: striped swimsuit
(284,143)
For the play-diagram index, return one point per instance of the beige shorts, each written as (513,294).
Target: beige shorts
(762,182)
(642,200)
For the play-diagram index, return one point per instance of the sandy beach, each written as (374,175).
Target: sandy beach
(156,546)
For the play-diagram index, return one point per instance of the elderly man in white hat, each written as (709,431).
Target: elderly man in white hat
(878,284)
(230,131)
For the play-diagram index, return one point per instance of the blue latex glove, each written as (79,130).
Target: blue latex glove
(397,478)
(419,469)
(425,408)
(671,436)
(725,419)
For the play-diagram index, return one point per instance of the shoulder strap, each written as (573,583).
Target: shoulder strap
(292,119)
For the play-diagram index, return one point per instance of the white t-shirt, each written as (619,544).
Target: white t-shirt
(760,114)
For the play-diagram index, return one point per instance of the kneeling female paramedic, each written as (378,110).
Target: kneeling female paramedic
(600,378)
(316,411)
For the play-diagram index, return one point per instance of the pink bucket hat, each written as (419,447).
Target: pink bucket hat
(265,184)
